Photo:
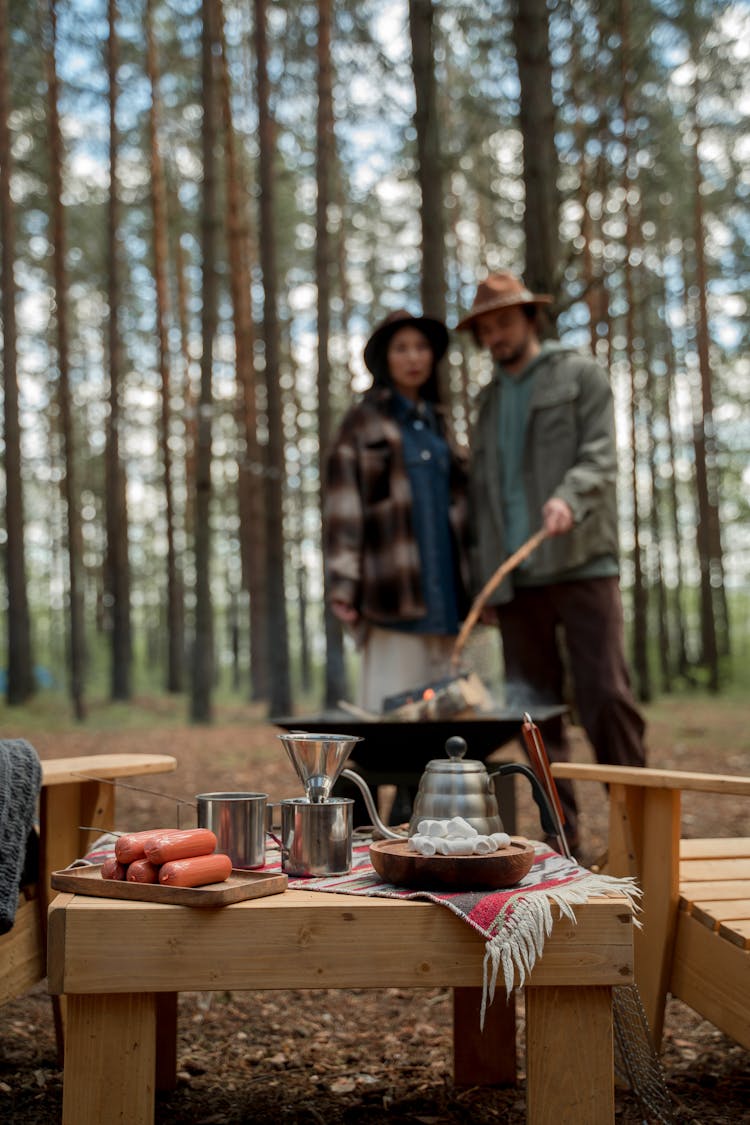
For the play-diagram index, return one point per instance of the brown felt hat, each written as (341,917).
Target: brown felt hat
(500,291)
(434,330)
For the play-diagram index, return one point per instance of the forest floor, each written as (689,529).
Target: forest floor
(354,1057)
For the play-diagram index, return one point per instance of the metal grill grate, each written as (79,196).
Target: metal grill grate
(636,1061)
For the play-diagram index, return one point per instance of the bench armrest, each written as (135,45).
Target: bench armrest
(60,771)
(644,778)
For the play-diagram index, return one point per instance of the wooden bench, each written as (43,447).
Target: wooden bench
(119,963)
(695,938)
(75,791)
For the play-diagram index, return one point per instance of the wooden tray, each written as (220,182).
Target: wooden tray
(505,868)
(240,885)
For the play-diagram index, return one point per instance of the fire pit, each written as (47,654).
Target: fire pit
(395,752)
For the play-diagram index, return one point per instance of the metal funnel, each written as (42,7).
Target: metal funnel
(318,759)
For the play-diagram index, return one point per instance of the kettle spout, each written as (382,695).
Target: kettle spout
(369,802)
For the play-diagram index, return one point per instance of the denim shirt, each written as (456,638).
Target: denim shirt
(427,460)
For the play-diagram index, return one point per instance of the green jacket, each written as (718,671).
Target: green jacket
(569,452)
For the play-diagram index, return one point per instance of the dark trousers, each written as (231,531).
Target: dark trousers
(587,617)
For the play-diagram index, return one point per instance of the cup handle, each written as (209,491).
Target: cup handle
(269,825)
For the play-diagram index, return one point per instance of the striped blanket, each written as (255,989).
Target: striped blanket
(514,922)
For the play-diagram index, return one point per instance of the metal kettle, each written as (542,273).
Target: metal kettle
(458,786)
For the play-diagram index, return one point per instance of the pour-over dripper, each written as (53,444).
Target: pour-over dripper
(318,759)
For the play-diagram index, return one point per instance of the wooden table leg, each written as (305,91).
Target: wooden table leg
(569,1056)
(484,1057)
(660,883)
(63,809)
(110,1059)
(166,1040)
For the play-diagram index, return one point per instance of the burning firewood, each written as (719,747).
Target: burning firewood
(456,697)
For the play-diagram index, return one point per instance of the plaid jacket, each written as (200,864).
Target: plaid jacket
(371,553)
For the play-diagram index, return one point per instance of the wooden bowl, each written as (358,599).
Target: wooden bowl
(395,864)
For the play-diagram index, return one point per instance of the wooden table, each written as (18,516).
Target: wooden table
(121,965)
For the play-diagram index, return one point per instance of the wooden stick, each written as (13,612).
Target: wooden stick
(540,763)
(491,584)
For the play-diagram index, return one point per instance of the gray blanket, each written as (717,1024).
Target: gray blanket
(20,782)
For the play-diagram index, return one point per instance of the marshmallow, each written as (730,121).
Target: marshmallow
(432,828)
(457,826)
(425,845)
(454,837)
(455,846)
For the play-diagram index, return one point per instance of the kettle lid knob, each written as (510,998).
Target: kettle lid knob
(455,748)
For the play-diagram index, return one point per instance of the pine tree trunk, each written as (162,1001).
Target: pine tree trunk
(203,639)
(60,286)
(640,592)
(591,282)
(343,273)
(189,414)
(20,665)
(335,673)
(682,661)
(430,165)
(605,309)
(249,481)
(296,539)
(537,122)
(656,409)
(713,597)
(277,633)
(117,569)
(175,625)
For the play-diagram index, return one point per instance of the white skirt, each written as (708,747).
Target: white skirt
(393,662)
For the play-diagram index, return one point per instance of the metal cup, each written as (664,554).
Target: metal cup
(239,822)
(316,837)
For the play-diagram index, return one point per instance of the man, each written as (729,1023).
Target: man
(543,454)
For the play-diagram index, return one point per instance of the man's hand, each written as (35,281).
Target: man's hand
(346,613)
(557,515)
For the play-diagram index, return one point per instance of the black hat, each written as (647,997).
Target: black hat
(434,330)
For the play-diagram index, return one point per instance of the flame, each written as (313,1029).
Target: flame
(428,693)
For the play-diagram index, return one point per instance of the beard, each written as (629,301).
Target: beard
(511,354)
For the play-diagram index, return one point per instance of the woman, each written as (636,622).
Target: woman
(395,515)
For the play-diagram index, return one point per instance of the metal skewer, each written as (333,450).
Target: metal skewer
(117,783)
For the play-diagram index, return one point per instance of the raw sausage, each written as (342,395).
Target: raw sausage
(113,869)
(141,871)
(182,844)
(130,846)
(196,872)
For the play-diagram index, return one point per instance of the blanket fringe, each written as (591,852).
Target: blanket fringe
(527,921)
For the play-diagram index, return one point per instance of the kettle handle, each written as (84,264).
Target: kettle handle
(546,814)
